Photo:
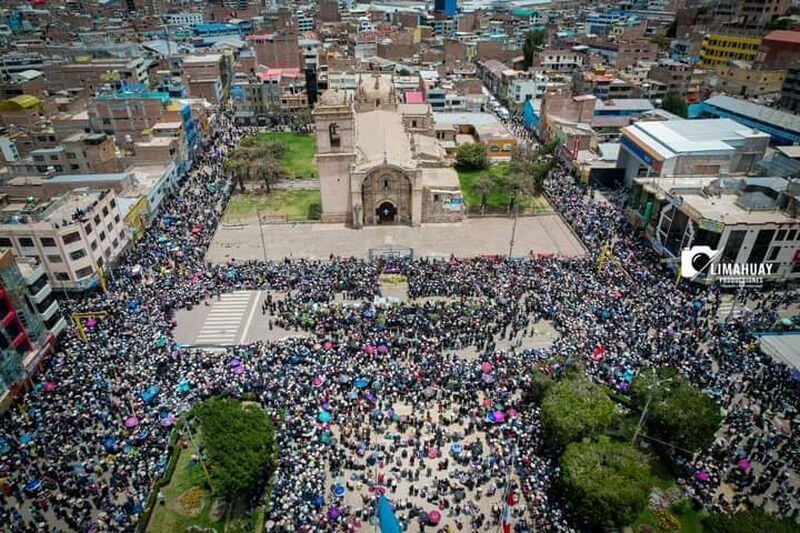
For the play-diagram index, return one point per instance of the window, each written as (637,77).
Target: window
(781,234)
(83,272)
(759,250)
(100,262)
(106,121)
(773,254)
(791,234)
(26,242)
(112,203)
(88,229)
(5,241)
(77,254)
(334,136)
(93,246)
(54,258)
(102,236)
(74,167)
(48,242)
(110,227)
(71,155)
(115,243)
(105,211)
(116,218)
(97,219)
(732,246)
(62,276)
(71,237)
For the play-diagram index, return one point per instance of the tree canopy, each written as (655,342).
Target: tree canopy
(675,104)
(472,156)
(679,414)
(606,482)
(239,444)
(533,40)
(756,521)
(574,409)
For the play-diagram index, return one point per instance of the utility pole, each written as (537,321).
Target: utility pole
(513,225)
(647,406)
(261,232)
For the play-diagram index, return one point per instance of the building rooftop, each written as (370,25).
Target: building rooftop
(784,36)
(671,137)
(762,113)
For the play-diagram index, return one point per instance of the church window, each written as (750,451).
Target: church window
(333,133)
(378,102)
(385,184)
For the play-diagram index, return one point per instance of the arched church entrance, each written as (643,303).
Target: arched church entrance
(387,213)
(386,197)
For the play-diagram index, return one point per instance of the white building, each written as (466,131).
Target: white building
(72,236)
(184,18)
(527,87)
(748,221)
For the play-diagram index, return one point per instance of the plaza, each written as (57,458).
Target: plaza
(541,234)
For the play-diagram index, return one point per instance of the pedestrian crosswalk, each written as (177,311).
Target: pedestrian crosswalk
(726,307)
(227,317)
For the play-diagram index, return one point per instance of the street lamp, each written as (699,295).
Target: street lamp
(514,223)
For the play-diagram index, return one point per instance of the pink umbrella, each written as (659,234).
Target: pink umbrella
(434,517)
(486,367)
(238,370)
(317,382)
(131,422)
(383,349)
(744,464)
(432,453)
(498,417)
(511,413)
(91,323)
(168,421)
(49,386)
(327,345)
(702,475)
(369,348)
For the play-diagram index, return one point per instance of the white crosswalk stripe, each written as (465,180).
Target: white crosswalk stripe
(223,322)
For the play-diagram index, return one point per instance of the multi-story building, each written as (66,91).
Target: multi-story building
(262,94)
(790,91)
(782,127)
(30,322)
(526,85)
(757,13)
(559,61)
(80,153)
(740,79)
(779,49)
(676,76)
(184,18)
(16,62)
(207,76)
(718,49)
(689,148)
(304,21)
(72,236)
(277,50)
(94,74)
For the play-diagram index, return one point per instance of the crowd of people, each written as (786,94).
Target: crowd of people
(377,396)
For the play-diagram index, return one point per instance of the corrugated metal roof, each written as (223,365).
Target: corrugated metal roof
(767,115)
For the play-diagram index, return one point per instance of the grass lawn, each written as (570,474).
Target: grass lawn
(497,199)
(172,515)
(298,161)
(288,204)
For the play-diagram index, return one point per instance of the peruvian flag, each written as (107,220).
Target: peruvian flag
(511,498)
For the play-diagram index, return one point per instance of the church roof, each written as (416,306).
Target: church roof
(380,135)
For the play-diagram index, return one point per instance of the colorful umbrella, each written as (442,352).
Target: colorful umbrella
(434,517)
(238,370)
(234,363)
(26,438)
(334,513)
(317,382)
(486,367)
(369,348)
(324,417)
(456,448)
(131,422)
(33,486)
(361,383)
(382,348)
(702,475)
(744,465)
(511,413)
(432,453)
(168,421)
(49,386)
(338,491)
(183,386)
(327,345)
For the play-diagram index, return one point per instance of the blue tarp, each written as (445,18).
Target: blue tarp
(387,520)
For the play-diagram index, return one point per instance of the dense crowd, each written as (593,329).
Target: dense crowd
(82,450)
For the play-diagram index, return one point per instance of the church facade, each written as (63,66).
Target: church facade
(379,160)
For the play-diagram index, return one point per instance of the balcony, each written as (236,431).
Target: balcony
(50,311)
(42,293)
(59,327)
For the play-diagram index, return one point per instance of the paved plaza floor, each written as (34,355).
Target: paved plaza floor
(543,234)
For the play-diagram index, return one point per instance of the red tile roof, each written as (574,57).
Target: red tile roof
(783,36)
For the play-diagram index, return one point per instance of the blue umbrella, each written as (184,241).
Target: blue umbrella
(183,386)
(148,395)
(34,485)
(338,491)
(4,446)
(361,383)
(324,417)
(377,414)
(319,501)
(26,438)
(109,443)
(456,448)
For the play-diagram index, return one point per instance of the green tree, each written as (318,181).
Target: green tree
(675,104)
(574,409)
(267,170)
(606,482)
(472,156)
(533,40)
(679,414)
(239,168)
(540,385)
(756,521)
(239,446)
(483,185)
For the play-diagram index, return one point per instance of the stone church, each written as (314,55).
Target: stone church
(379,160)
